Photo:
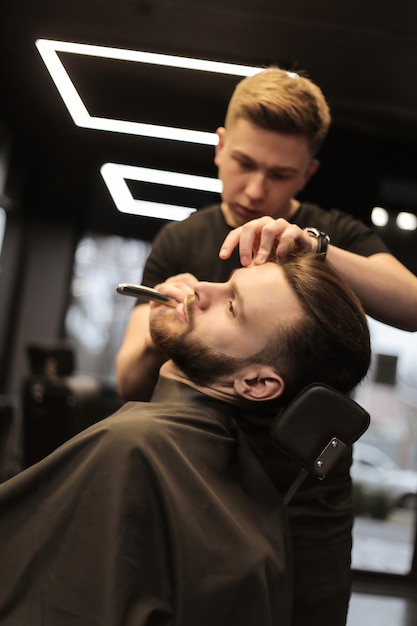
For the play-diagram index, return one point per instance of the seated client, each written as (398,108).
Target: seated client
(163,513)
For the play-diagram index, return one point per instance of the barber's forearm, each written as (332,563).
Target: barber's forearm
(386,288)
(138,360)
(137,373)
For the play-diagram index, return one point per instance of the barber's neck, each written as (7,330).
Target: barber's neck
(221,391)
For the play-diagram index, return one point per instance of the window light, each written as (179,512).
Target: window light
(2,226)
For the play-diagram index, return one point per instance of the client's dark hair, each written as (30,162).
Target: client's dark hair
(330,343)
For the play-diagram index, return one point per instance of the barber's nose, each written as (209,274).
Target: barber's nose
(255,187)
(206,294)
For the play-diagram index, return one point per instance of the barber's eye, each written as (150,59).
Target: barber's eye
(230,308)
(244,165)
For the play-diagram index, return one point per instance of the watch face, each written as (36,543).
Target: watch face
(323,239)
(312,231)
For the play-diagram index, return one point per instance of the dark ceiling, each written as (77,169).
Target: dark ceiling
(363,54)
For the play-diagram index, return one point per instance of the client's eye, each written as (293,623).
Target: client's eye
(230,308)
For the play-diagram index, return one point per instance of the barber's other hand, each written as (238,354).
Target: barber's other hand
(264,237)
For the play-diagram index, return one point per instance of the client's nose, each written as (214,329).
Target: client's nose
(207,293)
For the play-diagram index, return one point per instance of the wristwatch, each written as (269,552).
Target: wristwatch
(323,240)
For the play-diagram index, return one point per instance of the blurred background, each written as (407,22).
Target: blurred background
(89,94)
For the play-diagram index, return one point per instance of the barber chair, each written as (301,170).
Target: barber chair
(315,429)
(57,403)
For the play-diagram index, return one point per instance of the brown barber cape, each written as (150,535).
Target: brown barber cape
(158,515)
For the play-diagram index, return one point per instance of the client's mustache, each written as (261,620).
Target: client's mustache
(189,306)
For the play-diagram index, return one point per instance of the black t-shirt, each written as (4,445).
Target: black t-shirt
(193,244)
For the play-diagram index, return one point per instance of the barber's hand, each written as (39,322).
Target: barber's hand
(265,237)
(178,287)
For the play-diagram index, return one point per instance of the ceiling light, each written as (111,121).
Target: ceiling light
(379,216)
(116,174)
(406,221)
(48,50)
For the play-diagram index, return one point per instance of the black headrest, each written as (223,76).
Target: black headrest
(317,425)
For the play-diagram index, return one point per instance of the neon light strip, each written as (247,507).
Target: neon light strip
(115,175)
(48,50)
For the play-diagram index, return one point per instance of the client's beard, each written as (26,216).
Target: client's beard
(200,363)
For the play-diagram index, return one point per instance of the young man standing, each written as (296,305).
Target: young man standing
(275,124)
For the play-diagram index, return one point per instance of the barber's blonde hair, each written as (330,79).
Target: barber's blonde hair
(284,102)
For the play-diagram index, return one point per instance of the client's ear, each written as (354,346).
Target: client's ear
(258,383)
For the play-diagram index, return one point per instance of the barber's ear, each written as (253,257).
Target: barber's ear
(220,132)
(258,383)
